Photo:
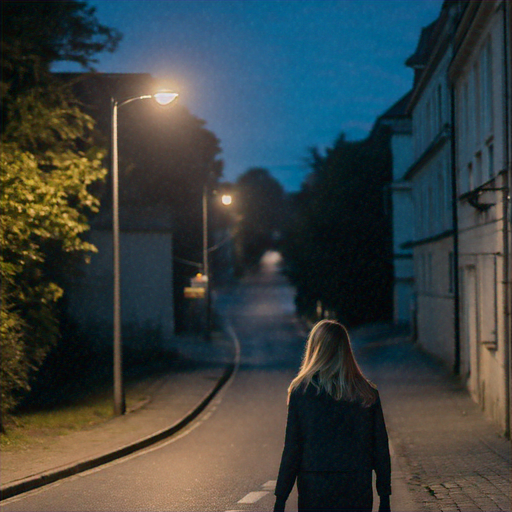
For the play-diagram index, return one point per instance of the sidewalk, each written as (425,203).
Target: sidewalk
(207,366)
(451,457)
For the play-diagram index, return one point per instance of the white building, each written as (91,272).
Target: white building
(480,77)
(430,179)
(147,304)
(399,122)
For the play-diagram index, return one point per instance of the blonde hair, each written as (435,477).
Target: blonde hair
(328,357)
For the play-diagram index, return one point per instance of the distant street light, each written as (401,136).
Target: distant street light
(226,200)
(163,98)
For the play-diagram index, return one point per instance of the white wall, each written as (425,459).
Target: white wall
(432,198)
(480,158)
(146,289)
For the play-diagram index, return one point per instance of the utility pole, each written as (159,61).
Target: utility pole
(206,269)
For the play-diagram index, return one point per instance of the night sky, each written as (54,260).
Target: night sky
(272,78)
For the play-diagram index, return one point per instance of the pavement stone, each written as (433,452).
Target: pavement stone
(452,456)
(172,401)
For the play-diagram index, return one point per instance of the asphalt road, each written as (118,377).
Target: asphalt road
(229,457)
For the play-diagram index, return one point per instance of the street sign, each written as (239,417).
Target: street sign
(194,292)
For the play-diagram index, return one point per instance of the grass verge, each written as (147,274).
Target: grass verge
(77,404)
(37,427)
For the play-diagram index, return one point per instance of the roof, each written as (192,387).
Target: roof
(420,56)
(399,108)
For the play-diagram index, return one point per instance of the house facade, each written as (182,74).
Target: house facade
(480,76)
(459,181)
(429,177)
(400,201)
(147,305)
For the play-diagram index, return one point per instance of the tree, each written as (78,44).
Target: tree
(337,242)
(260,204)
(48,165)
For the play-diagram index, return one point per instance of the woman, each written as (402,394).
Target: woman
(335,432)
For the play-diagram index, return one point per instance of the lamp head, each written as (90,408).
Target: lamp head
(227,199)
(165,97)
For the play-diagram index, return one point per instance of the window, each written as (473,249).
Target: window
(429,273)
(486,83)
(489,304)
(482,102)
(442,191)
(430,206)
(448,185)
(423,273)
(428,123)
(476,74)
(490,91)
(439,107)
(451,272)
(479,179)
(490,161)
(470,183)
(465,116)
(471,112)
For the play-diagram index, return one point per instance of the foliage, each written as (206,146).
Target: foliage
(38,33)
(43,200)
(337,240)
(48,164)
(261,203)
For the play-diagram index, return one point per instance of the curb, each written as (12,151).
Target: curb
(42,479)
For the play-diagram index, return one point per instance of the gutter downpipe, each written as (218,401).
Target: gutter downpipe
(507,178)
(455,222)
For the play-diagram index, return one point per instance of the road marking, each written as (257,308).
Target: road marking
(270,485)
(253,497)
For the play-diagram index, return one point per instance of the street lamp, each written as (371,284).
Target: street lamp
(206,270)
(163,98)
(226,200)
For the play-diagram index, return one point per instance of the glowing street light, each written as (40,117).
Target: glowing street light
(226,199)
(163,98)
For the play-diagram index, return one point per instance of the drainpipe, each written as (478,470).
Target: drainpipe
(455,224)
(507,306)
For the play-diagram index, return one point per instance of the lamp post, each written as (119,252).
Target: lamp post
(226,200)
(163,98)
(206,269)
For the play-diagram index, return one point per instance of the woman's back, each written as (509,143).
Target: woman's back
(337,435)
(335,431)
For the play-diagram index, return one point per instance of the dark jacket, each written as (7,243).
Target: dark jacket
(323,434)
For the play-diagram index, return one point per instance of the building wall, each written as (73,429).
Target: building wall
(146,290)
(403,225)
(482,341)
(434,295)
(478,77)
(403,228)
(401,147)
(430,180)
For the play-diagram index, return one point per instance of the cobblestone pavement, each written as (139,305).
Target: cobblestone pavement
(452,457)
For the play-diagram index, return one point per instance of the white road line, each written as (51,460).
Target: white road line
(253,497)
(270,485)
